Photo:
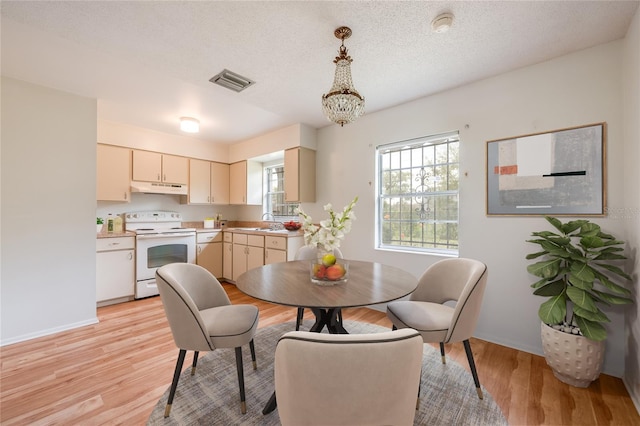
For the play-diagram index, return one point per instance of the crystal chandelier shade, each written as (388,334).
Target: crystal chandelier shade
(343,104)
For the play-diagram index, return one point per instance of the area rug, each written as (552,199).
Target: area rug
(210,397)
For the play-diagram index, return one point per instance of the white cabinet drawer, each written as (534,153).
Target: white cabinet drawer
(115,243)
(208,237)
(278,243)
(227,237)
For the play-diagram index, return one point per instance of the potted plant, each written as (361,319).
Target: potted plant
(99,223)
(577,275)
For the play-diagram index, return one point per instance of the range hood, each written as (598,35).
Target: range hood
(159,188)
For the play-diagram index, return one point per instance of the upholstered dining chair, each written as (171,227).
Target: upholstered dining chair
(460,281)
(348,379)
(311,253)
(202,318)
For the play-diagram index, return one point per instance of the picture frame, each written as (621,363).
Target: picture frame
(558,172)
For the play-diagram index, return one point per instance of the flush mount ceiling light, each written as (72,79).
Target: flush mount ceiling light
(442,23)
(189,125)
(343,104)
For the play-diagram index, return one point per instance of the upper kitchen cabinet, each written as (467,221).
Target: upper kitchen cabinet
(208,182)
(113,173)
(300,175)
(155,167)
(245,183)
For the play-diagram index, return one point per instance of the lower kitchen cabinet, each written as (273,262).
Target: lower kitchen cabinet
(115,269)
(209,252)
(281,249)
(248,253)
(227,256)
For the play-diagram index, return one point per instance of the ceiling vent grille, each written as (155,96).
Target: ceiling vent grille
(231,80)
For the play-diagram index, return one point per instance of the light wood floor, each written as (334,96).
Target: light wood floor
(114,372)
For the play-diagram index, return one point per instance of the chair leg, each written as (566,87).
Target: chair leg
(472,365)
(174,383)
(243,404)
(195,362)
(299,318)
(393,327)
(253,354)
(444,360)
(419,389)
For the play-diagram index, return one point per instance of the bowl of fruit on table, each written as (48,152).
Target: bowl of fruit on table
(327,270)
(292,226)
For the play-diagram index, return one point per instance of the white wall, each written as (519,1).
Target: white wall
(48,202)
(576,89)
(631,213)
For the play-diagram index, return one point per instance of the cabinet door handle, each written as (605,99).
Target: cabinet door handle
(199,249)
(158,176)
(125,195)
(130,257)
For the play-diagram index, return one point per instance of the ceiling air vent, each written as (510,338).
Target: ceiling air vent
(231,80)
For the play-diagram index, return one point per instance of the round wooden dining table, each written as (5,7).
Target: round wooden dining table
(289,284)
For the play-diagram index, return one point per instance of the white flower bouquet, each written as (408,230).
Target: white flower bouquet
(331,232)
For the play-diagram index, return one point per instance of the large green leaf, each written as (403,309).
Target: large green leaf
(535,255)
(584,285)
(616,288)
(615,270)
(545,269)
(554,288)
(591,241)
(614,300)
(582,271)
(540,283)
(569,227)
(556,223)
(589,229)
(582,298)
(609,256)
(555,250)
(598,316)
(553,310)
(591,329)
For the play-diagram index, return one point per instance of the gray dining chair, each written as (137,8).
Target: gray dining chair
(445,306)
(311,253)
(348,379)
(202,318)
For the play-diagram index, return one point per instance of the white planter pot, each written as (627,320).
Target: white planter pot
(574,359)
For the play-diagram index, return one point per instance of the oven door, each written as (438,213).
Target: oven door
(156,250)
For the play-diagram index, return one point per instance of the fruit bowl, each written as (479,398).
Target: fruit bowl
(292,226)
(323,274)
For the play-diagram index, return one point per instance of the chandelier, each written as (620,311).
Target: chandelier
(343,104)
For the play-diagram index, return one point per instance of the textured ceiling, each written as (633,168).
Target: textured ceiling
(148,63)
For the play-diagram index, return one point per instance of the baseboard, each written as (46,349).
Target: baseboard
(47,332)
(633,393)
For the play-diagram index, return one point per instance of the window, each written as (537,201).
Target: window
(417,199)
(274,198)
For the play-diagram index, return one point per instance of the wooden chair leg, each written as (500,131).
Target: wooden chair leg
(299,318)
(472,365)
(195,362)
(253,354)
(243,404)
(444,360)
(174,383)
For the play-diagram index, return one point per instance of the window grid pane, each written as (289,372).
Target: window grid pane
(275,203)
(418,194)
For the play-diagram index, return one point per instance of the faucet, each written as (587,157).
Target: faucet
(273,219)
(274,226)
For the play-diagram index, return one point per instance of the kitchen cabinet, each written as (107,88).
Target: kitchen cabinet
(281,249)
(245,183)
(209,252)
(227,256)
(113,173)
(156,167)
(115,270)
(248,253)
(208,182)
(300,175)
